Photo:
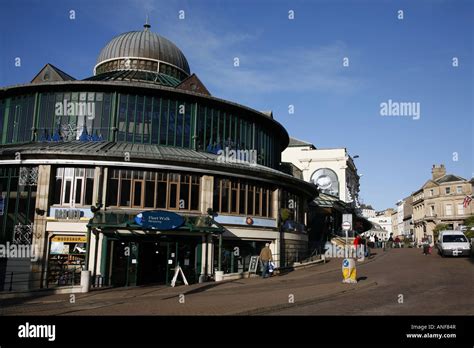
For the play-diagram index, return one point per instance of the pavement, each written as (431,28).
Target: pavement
(428,284)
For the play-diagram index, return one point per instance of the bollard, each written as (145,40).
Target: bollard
(85,281)
(349,272)
(219,276)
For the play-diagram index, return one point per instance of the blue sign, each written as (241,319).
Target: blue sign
(345,263)
(159,220)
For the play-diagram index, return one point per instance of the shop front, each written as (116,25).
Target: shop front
(66,258)
(130,253)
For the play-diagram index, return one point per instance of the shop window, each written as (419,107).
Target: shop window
(250,199)
(73,186)
(224,206)
(162,190)
(150,190)
(139,189)
(125,187)
(173,191)
(242,198)
(234,197)
(195,187)
(66,259)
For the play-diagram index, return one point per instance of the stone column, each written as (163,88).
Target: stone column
(207,191)
(40,235)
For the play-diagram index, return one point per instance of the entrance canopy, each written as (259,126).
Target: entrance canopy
(111,222)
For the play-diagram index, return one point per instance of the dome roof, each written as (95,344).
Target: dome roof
(144,44)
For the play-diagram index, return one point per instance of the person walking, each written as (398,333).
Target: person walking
(265,259)
(397,242)
(376,241)
(390,241)
(426,245)
(357,244)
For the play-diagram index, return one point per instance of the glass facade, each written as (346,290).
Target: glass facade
(68,116)
(132,118)
(17,199)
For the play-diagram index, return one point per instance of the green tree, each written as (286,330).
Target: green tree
(469,223)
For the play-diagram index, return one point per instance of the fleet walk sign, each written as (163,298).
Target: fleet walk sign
(159,220)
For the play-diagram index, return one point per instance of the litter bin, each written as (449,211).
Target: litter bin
(219,276)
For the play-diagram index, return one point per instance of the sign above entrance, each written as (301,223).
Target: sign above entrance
(159,220)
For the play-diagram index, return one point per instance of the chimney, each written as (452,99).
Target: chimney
(438,171)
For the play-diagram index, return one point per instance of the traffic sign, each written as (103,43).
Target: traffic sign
(346,225)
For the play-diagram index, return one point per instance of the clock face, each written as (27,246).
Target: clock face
(326,180)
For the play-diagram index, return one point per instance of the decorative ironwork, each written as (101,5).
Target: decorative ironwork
(28,176)
(23,234)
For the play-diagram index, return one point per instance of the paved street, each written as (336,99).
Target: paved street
(429,285)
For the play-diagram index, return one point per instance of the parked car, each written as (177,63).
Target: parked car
(453,243)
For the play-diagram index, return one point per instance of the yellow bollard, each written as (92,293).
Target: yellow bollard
(349,272)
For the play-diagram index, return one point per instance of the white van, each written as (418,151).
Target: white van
(453,243)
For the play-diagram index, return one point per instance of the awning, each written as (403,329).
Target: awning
(113,221)
(327,201)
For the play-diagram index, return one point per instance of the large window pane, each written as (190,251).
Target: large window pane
(122,117)
(172,123)
(78,193)
(131,117)
(57,190)
(149,194)
(195,192)
(184,192)
(125,192)
(164,122)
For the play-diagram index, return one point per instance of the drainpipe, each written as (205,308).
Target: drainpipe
(220,253)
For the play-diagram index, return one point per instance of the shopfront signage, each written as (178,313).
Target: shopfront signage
(159,220)
(67,214)
(70,239)
(253,264)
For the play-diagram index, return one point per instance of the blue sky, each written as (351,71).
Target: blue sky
(297,62)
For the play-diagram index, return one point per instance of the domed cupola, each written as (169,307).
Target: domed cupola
(142,51)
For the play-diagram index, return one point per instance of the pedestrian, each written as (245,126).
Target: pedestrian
(372,241)
(265,259)
(426,245)
(397,242)
(390,241)
(357,243)
(376,241)
(367,247)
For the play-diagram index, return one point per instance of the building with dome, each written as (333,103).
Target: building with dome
(138,169)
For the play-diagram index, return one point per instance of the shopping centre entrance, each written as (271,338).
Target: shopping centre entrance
(136,262)
(132,255)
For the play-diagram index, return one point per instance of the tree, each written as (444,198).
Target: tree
(469,223)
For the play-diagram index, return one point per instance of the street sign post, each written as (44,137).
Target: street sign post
(346,226)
